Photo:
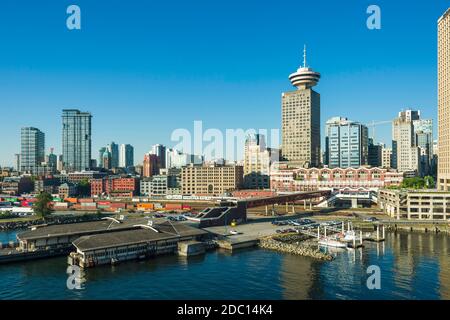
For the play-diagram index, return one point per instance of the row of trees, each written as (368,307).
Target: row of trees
(418,183)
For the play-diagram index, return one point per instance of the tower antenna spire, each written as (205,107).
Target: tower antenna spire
(304,56)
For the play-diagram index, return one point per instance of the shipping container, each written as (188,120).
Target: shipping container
(86,200)
(145,206)
(173,206)
(103,203)
(117,205)
(88,204)
(60,205)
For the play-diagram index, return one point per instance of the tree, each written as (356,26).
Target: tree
(42,205)
(418,183)
(84,188)
(429,182)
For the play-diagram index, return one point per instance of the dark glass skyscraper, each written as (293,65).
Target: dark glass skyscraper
(76,140)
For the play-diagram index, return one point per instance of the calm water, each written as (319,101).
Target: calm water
(413,266)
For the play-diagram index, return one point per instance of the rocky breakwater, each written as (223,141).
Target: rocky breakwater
(292,244)
(18,225)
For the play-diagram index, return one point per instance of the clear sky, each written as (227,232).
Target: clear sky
(145,68)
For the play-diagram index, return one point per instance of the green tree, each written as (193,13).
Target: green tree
(84,188)
(42,205)
(429,182)
(418,183)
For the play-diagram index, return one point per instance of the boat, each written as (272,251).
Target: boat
(350,235)
(328,242)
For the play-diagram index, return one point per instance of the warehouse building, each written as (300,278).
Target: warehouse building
(147,241)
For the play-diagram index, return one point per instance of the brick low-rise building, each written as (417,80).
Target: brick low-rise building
(118,187)
(285,179)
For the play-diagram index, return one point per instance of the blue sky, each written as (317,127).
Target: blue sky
(145,68)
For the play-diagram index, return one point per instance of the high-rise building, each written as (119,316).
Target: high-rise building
(160,151)
(375,158)
(17,160)
(52,161)
(386,156)
(423,133)
(106,159)
(126,156)
(178,159)
(76,140)
(32,150)
(405,153)
(60,163)
(101,152)
(346,143)
(150,165)
(113,149)
(301,119)
(257,161)
(444,101)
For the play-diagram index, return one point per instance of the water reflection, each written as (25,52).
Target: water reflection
(413,266)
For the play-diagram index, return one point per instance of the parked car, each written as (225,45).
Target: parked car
(370,219)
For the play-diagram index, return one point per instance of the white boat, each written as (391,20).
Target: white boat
(332,243)
(350,235)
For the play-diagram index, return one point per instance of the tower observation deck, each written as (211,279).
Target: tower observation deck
(304,77)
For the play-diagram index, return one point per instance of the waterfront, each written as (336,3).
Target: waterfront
(413,266)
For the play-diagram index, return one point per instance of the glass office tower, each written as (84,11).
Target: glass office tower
(32,149)
(76,140)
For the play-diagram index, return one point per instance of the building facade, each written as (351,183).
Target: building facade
(115,187)
(346,143)
(32,153)
(126,156)
(444,101)
(113,149)
(375,154)
(413,204)
(405,153)
(285,179)
(150,165)
(211,180)
(386,158)
(178,159)
(301,119)
(76,140)
(160,151)
(257,160)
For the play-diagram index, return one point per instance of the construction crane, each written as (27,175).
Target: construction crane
(376,123)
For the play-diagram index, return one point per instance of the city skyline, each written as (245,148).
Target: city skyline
(266,75)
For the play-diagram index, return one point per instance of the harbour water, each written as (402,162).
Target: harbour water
(413,266)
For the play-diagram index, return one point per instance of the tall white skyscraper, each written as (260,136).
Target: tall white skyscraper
(126,156)
(301,119)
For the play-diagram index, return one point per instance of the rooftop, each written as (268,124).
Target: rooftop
(131,237)
(79,228)
(446,13)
